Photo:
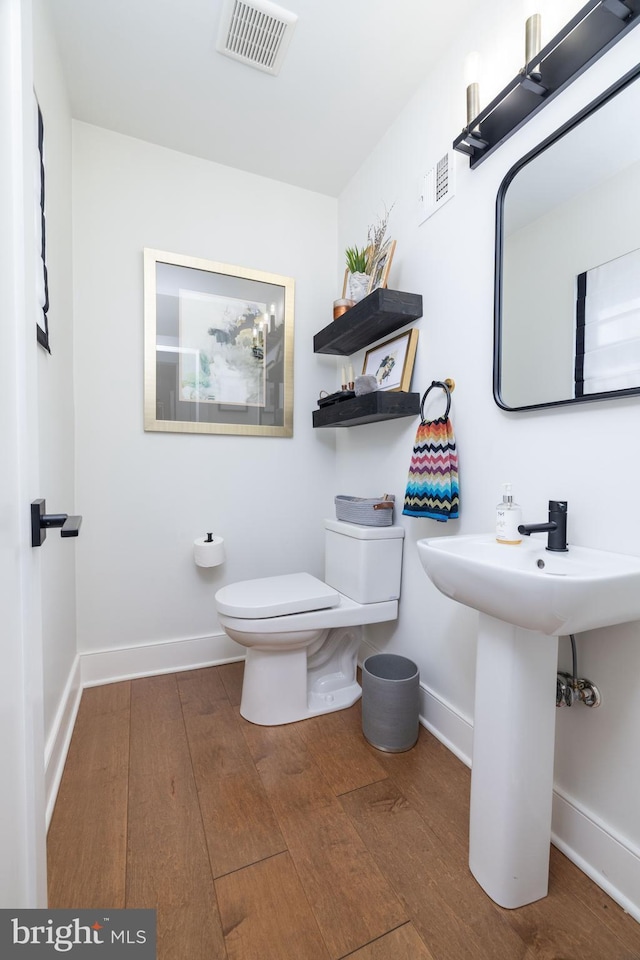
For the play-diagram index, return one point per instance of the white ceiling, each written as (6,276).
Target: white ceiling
(149,69)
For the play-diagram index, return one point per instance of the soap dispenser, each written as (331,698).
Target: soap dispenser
(508,518)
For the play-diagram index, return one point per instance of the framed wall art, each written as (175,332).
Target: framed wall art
(391,362)
(42,319)
(218,348)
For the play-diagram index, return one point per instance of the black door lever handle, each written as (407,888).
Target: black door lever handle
(42,521)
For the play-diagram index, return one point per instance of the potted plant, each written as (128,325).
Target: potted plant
(368,266)
(357,278)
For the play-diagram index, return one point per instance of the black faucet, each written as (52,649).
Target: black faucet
(556,527)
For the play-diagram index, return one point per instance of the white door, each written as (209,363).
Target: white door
(22,804)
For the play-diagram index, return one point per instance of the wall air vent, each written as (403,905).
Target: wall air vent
(436,187)
(256,33)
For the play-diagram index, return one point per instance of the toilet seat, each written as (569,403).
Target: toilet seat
(275,596)
(346,613)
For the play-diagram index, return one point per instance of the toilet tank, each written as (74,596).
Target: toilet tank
(364,563)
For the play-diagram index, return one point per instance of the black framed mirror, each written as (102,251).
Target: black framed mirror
(567,276)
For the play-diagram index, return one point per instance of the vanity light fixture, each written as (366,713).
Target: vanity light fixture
(547,71)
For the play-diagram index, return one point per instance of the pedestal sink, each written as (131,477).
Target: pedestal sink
(527,597)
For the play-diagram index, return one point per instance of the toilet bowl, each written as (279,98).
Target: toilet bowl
(302,634)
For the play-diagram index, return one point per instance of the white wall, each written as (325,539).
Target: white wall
(561,453)
(146,496)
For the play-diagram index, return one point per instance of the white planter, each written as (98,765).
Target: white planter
(357,286)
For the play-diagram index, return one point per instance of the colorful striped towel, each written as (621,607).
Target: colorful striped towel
(432,487)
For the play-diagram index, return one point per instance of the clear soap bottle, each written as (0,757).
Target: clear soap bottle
(508,518)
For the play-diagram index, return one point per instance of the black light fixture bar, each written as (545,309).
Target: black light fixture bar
(596,28)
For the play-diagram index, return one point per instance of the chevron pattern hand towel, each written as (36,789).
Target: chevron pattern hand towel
(432,487)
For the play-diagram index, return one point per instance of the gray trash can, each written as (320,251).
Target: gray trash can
(390,702)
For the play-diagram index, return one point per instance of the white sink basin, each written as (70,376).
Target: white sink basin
(529,586)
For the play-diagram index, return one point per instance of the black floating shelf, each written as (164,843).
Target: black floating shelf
(379,314)
(369,408)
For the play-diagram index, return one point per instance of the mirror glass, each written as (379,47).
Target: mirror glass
(567,298)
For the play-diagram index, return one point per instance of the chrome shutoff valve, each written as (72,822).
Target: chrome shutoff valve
(588,693)
(570,690)
(564,690)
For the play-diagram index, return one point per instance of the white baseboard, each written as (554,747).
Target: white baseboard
(611,861)
(445,723)
(151,659)
(127,663)
(57,745)
(608,859)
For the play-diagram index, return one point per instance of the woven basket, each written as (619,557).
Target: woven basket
(368,511)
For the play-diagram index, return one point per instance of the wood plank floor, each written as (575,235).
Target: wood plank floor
(299,842)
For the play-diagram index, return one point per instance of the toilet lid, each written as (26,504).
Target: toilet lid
(275,596)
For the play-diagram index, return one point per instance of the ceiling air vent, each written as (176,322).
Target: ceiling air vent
(256,33)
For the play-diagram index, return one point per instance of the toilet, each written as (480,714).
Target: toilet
(302,634)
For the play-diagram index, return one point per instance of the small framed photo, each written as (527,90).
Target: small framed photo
(381,266)
(391,363)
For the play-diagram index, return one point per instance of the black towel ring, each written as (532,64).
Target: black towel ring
(446,385)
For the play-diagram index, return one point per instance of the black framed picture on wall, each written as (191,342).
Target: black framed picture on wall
(42,284)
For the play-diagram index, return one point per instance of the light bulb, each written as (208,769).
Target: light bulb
(472,68)
(472,83)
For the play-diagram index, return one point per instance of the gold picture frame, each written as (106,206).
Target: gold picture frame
(391,362)
(218,354)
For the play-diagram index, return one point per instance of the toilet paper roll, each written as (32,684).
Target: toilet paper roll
(208,553)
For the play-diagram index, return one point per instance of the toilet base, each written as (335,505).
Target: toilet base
(284,686)
(329,702)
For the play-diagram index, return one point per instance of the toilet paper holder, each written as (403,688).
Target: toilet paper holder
(41,521)
(208,551)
